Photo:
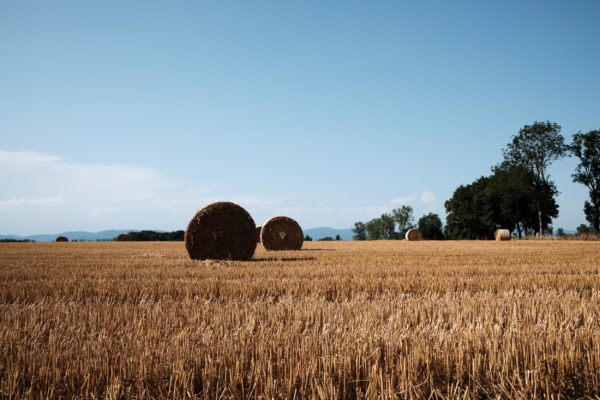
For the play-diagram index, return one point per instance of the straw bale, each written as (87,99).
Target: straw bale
(281,233)
(123,237)
(62,239)
(502,234)
(413,235)
(258,229)
(221,231)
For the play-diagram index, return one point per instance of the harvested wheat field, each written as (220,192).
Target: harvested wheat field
(336,320)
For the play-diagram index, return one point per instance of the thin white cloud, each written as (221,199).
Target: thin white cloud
(404,200)
(89,196)
(428,198)
(25,158)
(31,202)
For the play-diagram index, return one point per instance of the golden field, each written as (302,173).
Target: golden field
(336,320)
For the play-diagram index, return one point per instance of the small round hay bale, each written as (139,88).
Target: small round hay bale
(221,231)
(62,239)
(258,229)
(281,233)
(123,237)
(413,235)
(502,234)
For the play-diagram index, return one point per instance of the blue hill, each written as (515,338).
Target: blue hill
(77,235)
(319,233)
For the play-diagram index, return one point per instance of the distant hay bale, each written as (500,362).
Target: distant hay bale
(258,229)
(62,239)
(123,237)
(502,234)
(281,233)
(221,231)
(413,235)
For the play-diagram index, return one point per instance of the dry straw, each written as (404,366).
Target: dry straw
(123,237)
(62,239)
(258,229)
(502,234)
(413,235)
(221,231)
(281,233)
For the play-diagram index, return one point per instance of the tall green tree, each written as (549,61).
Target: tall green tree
(375,230)
(536,147)
(360,231)
(403,217)
(586,147)
(430,226)
(388,226)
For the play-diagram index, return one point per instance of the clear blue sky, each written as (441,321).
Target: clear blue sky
(136,114)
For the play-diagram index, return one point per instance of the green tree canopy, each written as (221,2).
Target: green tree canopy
(466,212)
(586,147)
(507,199)
(360,231)
(381,228)
(513,194)
(583,228)
(403,216)
(536,147)
(430,226)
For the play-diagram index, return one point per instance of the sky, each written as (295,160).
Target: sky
(134,115)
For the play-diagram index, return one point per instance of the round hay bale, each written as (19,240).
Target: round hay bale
(502,234)
(258,229)
(123,237)
(413,235)
(221,231)
(281,233)
(62,239)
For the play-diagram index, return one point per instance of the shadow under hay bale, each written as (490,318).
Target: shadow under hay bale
(221,231)
(502,234)
(258,229)
(281,233)
(413,235)
(123,237)
(62,239)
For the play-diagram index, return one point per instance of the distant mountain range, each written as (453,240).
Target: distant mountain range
(314,233)
(320,233)
(78,235)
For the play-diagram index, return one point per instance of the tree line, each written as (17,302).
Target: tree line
(152,236)
(394,225)
(519,194)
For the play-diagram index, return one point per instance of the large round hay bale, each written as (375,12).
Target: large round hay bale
(413,235)
(281,233)
(123,237)
(258,229)
(62,239)
(502,234)
(221,231)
